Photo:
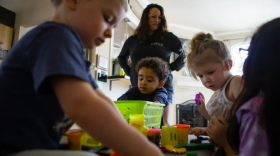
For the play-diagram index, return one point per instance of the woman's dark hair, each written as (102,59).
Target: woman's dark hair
(143,29)
(160,67)
(261,71)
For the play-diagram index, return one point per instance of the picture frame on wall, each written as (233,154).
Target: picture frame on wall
(101,62)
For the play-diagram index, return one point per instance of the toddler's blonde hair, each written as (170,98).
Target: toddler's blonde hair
(199,43)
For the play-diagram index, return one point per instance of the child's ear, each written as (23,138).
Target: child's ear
(71,4)
(228,64)
(160,84)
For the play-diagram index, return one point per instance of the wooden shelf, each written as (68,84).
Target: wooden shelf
(6,35)
(121,78)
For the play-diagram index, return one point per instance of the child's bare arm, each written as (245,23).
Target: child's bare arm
(99,116)
(202,108)
(235,87)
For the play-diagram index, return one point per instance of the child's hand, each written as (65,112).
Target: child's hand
(156,101)
(202,108)
(198,131)
(217,130)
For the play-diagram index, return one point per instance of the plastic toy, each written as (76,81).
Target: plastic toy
(192,154)
(114,154)
(197,97)
(125,113)
(163,149)
(137,120)
(183,133)
(74,139)
(169,136)
(87,140)
(171,148)
(154,135)
(152,111)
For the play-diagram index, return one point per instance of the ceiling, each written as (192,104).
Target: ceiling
(220,15)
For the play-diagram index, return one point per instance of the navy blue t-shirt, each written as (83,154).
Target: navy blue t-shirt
(135,94)
(30,115)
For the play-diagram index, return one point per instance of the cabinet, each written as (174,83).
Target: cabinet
(6,35)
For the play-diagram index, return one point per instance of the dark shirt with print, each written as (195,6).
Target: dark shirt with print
(30,114)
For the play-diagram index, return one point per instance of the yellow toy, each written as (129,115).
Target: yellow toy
(182,132)
(169,136)
(138,122)
(172,149)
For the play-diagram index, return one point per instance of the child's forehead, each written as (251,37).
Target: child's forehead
(145,71)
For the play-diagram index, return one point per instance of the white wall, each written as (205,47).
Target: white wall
(118,87)
(28,13)
(236,38)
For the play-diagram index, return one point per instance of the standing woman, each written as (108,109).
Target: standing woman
(151,39)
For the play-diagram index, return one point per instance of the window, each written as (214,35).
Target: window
(238,54)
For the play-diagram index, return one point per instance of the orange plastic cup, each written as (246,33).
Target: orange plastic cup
(74,140)
(183,133)
(114,154)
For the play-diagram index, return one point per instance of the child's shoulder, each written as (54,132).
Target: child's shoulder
(52,28)
(236,81)
(235,85)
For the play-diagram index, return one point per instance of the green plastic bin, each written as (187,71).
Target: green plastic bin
(152,111)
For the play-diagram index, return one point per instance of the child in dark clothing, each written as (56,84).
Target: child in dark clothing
(152,74)
(46,85)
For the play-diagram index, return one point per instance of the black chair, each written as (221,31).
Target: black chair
(187,113)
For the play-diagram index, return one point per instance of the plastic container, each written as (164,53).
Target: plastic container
(125,113)
(74,140)
(114,154)
(87,140)
(169,136)
(154,135)
(144,131)
(121,72)
(152,111)
(183,133)
(137,120)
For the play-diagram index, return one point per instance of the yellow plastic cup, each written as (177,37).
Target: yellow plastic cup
(74,140)
(137,120)
(183,133)
(169,136)
(144,131)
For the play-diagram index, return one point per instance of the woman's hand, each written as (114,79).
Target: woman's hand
(217,130)
(202,108)
(198,131)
